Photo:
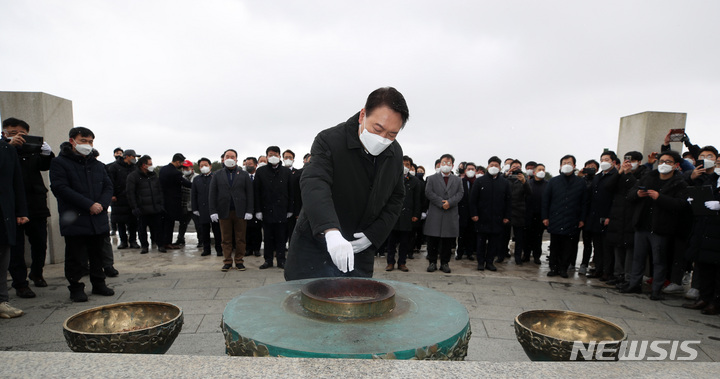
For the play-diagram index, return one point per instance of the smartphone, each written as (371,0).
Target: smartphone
(33,144)
(642,188)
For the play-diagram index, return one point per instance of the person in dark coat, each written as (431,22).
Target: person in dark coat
(172,181)
(13,212)
(520,190)
(84,191)
(288,160)
(146,200)
(658,199)
(564,208)
(352,192)
(33,160)
(273,206)
(121,210)
(533,211)
(200,202)
(409,215)
(253,231)
(599,204)
(467,242)
(490,210)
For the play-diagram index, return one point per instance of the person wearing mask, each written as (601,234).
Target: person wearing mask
(288,160)
(306,158)
(262,161)
(188,171)
(409,215)
(600,203)
(253,234)
(658,198)
(564,207)
(490,210)
(145,197)
(200,202)
(274,206)
(231,204)
(588,172)
(83,189)
(118,155)
(418,235)
(530,169)
(172,181)
(467,240)
(121,210)
(352,192)
(34,160)
(533,210)
(520,190)
(442,226)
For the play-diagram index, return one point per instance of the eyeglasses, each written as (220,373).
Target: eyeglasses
(670,162)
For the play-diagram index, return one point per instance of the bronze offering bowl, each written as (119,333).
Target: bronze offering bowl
(141,327)
(549,335)
(348,298)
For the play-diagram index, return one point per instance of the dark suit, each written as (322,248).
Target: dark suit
(172,181)
(274,199)
(231,196)
(12,205)
(491,202)
(401,233)
(200,202)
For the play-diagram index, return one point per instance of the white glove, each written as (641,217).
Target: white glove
(214,217)
(248,216)
(258,216)
(423,216)
(361,243)
(713,205)
(289,214)
(45,149)
(341,251)
(196,213)
(690,200)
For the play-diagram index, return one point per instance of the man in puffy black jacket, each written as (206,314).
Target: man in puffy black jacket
(84,191)
(145,198)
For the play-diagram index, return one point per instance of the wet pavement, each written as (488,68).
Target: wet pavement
(493,299)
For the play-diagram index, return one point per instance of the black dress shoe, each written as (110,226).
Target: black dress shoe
(471,257)
(265,265)
(552,273)
(458,257)
(219,253)
(613,282)
(537,261)
(25,292)
(711,309)
(526,259)
(102,289)
(78,296)
(628,289)
(281,265)
(39,281)
(240,266)
(500,260)
(144,250)
(134,245)
(122,246)
(226,267)
(490,267)
(564,274)
(518,262)
(700,304)
(257,253)
(481,267)
(594,275)
(655,296)
(205,253)
(432,267)
(111,272)
(445,268)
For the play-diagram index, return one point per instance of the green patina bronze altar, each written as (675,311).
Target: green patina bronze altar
(346,318)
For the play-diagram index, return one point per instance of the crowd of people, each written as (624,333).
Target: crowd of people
(627,213)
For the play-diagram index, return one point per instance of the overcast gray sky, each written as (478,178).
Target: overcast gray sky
(525,79)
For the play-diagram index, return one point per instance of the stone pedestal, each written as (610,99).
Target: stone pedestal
(645,132)
(50,117)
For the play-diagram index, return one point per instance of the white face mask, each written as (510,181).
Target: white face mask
(204,169)
(445,169)
(151,168)
(187,173)
(690,160)
(665,168)
(405,170)
(261,164)
(531,172)
(84,149)
(540,174)
(567,169)
(288,162)
(412,173)
(717,170)
(273,160)
(374,144)
(480,175)
(437,170)
(634,166)
(506,168)
(709,163)
(493,170)
(470,173)
(604,166)
(229,163)
(133,161)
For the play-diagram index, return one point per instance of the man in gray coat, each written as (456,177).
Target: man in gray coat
(231,204)
(444,191)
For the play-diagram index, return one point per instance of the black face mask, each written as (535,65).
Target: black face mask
(250,169)
(420,175)
(589,171)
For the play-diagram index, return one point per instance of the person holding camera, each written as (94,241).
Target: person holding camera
(35,156)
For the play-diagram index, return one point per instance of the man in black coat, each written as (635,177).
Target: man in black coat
(533,211)
(520,190)
(352,192)
(121,210)
(409,215)
(172,181)
(200,202)
(253,231)
(467,241)
(33,160)
(490,210)
(273,206)
(84,191)
(13,212)
(598,216)
(146,200)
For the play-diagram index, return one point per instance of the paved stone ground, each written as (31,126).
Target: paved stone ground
(493,299)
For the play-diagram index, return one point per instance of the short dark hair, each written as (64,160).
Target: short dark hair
(82,131)
(414,166)
(673,154)
(495,158)
(516,161)
(687,153)
(118,149)
(481,169)
(447,156)
(272,148)
(178,157)
(437,162)
(613,156)
(143,160)
(251,159)
(634,155)
(407,158)
(225,152)
(470,164)
(289,151)
(203,159)
(12,121)
(389,97)
(509,159)
(539,164)
(711,149)
(567,157)
(592,161)
(306,156)
(531,163)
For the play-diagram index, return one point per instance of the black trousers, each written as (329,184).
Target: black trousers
(290,227)
(402,238)
(204,236)
(533,238)
(519,234)
(563,249)
(489,246)
(418,235)
(440,246)
(253,235)
(184,222)
(275,237)
(467,241)
(709,282)
(128,232)
(154,223)
(168,226)
(81,251)
(36,231)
